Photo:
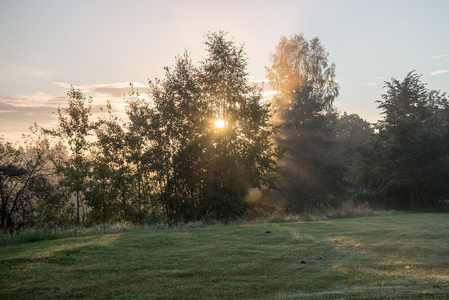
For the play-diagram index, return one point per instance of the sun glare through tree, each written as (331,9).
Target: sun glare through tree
(219,123)
(219,149)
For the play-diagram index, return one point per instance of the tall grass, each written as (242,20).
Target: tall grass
(34,234)
(347,209)
(26,235)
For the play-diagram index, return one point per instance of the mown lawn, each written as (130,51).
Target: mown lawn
(403,256)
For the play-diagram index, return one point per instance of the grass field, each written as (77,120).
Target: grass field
(403,256)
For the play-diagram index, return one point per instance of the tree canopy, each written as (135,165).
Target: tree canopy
(203,144)
(208,170)
(407,162)
(305,81)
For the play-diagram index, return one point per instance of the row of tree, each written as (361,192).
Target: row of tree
(193,150)
(205,145)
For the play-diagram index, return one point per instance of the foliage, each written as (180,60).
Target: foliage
(168,159)
(180,124)
(305,80)
(109,184)
(74,127)
(28,187)
(204,171)
(351,132)
(407,162)
(202,145)
(306,86)
(139,139)
(243,155)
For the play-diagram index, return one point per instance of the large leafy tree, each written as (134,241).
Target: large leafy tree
(305,81)
(406,164)
(29,191)
(74,128)
(351,132)
(16,176)
(212,135)
(180,122)
(109,181)
(242,153)
(139,141)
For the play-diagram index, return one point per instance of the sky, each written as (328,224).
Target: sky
(100,46)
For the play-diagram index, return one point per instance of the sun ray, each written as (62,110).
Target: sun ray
(219,123)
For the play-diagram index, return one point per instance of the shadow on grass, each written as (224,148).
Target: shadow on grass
(380,257)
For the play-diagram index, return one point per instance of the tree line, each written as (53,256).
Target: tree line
(205,145)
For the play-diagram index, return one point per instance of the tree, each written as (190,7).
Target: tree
(74,128)
(406,163)
(243,156)
(51,200)
(29,192)
(304,79)
(139,139)
(306,86)
(212,135)
(180,122)
(351,132)
(15,178)
(110,176)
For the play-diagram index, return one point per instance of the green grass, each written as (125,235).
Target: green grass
(403,256)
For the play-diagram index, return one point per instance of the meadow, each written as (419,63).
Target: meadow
(386,256)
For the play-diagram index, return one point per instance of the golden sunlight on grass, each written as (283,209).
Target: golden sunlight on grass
(387,256)
(219,123)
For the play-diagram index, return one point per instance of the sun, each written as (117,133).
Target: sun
(219,123)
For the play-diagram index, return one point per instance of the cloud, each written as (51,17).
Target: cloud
(440,56)
(20,70)
(33,100)
(439,72)
(7,111)
(370,84)
(118,89)
(16,120)
(19,112)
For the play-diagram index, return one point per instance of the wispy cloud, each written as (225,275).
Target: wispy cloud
(16,120)
(19,111)
(118,89)
(33,100)
(114,92)
(21,70)
(439,72)
(6,111)
(440,56)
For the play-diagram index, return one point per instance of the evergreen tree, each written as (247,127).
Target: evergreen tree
(352,132)
(406,164)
